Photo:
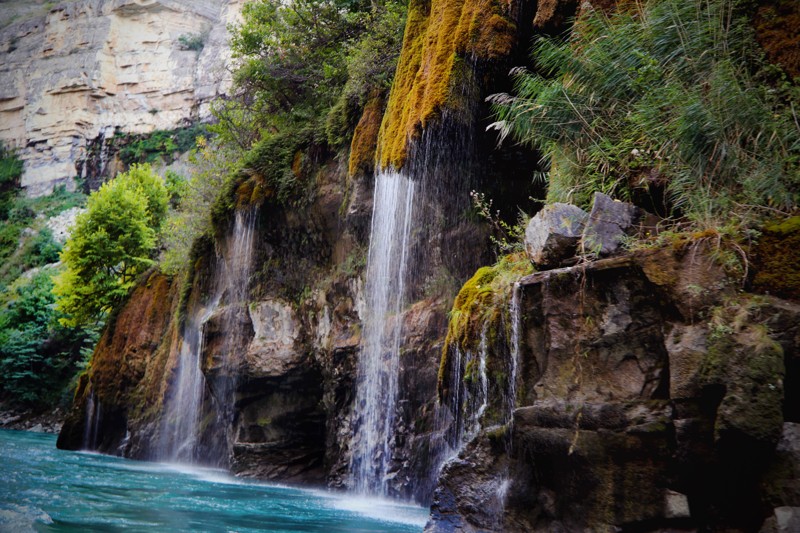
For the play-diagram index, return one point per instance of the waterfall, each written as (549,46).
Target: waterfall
(233,282)
(378,365)
(469,383)
(184,405)
(516,318)
(91,424)
(182,410)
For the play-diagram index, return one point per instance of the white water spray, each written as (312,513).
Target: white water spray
(184,405)
(379,361)
(516,319)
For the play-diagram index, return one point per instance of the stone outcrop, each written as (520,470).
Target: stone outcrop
(80,72)
(610,223)
(637,409)
(553,233)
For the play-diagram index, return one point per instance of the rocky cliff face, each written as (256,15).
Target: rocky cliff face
(75,74)
(635,393)
(651,395)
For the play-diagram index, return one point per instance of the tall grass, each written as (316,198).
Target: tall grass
(667,95)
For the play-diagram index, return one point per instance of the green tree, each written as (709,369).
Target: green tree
(38,356)
(112,243)
(211,163)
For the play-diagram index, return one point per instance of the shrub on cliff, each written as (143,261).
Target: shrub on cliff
(10,172)
(667,96)
(112,243)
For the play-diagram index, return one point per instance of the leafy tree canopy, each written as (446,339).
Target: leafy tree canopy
(112,243)
(37,355)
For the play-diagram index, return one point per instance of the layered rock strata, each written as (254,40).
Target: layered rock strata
(83,71)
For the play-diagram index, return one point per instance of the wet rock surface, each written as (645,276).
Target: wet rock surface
(637,413)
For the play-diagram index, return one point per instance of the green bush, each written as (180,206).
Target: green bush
(10,172)
(665,95)
(160,144)
(18,252)
(193,41)
(38,356)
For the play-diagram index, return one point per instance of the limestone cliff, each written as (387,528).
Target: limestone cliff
(81,71)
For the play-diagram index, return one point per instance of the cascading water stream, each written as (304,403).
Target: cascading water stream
(184,405)
(182,411)
(91,425)
(516,318)
(378,366)
(233,284)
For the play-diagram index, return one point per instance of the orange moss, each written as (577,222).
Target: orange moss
(253,191)
(123,357)
(365,138)
(776,23)
(438,34)
(297,164)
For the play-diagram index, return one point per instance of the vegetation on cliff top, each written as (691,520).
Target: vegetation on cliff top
(667,98)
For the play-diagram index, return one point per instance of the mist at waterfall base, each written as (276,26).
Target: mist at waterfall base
(45,489)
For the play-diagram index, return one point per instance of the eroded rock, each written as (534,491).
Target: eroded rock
(608,225)
(553,233)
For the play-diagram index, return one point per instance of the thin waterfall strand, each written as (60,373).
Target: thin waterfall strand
(181,420)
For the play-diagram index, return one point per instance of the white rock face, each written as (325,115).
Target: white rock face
(272,352)
(61,224)
(89,68)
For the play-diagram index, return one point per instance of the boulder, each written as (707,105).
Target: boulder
(553,234)
(609,223)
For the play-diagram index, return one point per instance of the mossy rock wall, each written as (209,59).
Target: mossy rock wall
(126,375)
(439,36)
(651,395)
(777,261)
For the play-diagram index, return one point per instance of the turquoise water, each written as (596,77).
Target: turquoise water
(45,489)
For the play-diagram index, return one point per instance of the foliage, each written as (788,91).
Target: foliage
(212,165)
(507,237)
(666,94)
(112,243)
(24,242)
(160,144)
(304,71)
(193,41)
(292,52)
(37,355)
(10,172)
(306,63)
(177,187)
(372,60)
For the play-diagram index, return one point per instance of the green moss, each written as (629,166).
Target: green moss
(479,307)
(777,259)
(438,34)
